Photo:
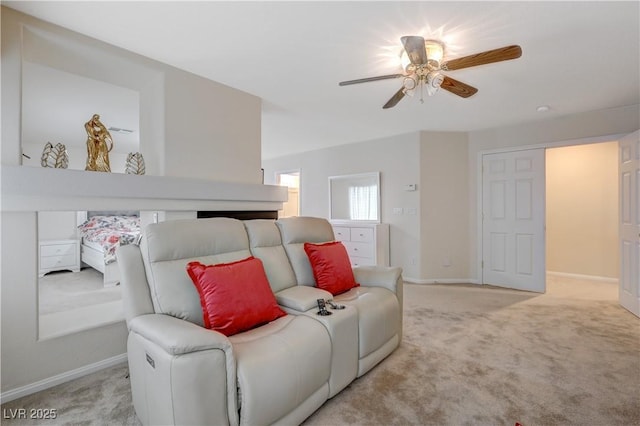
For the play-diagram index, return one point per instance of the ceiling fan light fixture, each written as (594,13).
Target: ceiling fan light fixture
(435,50)
(409,83)
(434,81)
(423,60)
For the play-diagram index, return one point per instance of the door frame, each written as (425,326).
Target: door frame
(276,177)
(479,195)
(629,270)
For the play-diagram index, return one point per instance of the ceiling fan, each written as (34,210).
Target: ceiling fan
(425,63)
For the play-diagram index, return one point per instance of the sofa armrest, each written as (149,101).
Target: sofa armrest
(301,298)
(181,372)
(176,336)
(389,277)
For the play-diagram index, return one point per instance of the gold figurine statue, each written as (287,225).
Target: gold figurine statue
(99,144)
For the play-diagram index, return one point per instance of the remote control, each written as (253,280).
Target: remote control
(334,305)
(323,308)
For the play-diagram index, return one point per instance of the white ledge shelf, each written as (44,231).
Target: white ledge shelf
(36,189)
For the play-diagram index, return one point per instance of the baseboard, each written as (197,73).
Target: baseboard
(439,280)
(61,378)
(583,277)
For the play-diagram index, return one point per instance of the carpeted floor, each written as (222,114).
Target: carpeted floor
(63,291)
(470,356)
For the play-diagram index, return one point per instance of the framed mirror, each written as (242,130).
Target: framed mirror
(355,197)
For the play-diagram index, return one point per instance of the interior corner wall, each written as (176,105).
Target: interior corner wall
(582,210)
(567,130)
(397,160)
(444,205)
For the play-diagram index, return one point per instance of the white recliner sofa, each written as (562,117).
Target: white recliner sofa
(277,373)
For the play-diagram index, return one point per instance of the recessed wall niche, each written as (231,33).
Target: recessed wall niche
(67,79)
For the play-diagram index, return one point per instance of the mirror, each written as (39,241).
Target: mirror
(78,274)
(355,197)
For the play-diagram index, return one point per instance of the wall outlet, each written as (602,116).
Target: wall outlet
(446,261)
(414,261)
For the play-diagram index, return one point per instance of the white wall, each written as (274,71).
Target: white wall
(211,131)
(57,225)
(582,209)
(567,130)
(432,229)
(190,127)
(444,205)
(398,161)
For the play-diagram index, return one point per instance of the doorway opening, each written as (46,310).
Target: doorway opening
(290,179)
(581,219)
(579,215)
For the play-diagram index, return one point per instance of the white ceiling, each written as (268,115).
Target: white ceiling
(577,56)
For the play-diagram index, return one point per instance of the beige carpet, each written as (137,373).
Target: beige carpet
(470,356)
(63,291)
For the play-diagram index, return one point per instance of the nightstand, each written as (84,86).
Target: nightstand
(58,255)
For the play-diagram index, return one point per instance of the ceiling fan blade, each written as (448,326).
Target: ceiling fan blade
(488,57)
(368,79)
(457,87)
(414,46)
(394,99)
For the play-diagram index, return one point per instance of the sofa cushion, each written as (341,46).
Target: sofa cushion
(266,244)
(331,266)
(282,366)
(295,231)
(234,296)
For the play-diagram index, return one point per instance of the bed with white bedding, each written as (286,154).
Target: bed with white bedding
(101,234)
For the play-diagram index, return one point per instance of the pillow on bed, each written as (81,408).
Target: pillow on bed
(235,296)
(331,266)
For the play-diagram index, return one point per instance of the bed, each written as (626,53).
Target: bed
(101,234)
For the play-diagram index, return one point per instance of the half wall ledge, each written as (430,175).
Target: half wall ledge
(40,189)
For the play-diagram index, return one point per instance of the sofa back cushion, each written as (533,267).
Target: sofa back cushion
(331,266)
(266,244)
(295,231)
(168,247)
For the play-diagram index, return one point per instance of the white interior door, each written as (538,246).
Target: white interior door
(629,169)
(513,212)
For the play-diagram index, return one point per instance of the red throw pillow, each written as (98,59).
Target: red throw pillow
(331,266)
(235,296)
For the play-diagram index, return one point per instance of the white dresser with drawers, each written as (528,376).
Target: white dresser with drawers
(367,243)
(58,255)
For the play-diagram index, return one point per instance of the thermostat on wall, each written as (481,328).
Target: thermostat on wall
(410,187)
